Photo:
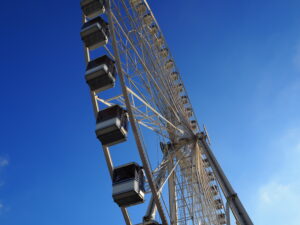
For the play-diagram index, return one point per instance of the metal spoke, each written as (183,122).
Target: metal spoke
(155,98)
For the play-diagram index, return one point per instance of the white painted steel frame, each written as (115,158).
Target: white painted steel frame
(231,196)
(143,156)
(162,110)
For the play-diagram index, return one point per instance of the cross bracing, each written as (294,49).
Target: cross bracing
(155,97)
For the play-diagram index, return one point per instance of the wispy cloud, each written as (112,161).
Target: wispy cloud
(279,197)
(279,203)
(296,59)
(3,161)
(1,208)
(273,192)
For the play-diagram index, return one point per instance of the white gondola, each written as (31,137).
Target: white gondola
(150,222)
(94,33)
(189,112)
(169,64)
(205,162)
(218,203)
(174,76)
(111,127)
(214,189)
(128,185)
(153,29)
(100,74)
(148,19)
(223,221)
(184,99)
(180,87)
(194,124)
(222,218)
(133,3)
(141,8)
(164,52)
(210,176)
(159,42)
(92,8)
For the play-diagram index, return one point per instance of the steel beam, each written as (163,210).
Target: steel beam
(231,196)
(172,192)
(151,211)
(135,130)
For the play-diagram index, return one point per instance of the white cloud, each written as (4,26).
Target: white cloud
(3,161)
(278,204)
(273,192)
(278,198)
(291,90)
(4,208)
(296,59)
(1,208)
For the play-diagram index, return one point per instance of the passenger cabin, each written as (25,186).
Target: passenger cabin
(184,99)
(111,127)
(164,52)
(101,74)
(153,29)
(141,8)
(214,189)
(159,42)
(169,64)
(210,176)
(206,162)
(180,87)
(128,185)
(174,76)
(133,3)
(189,112)
(222,218)
(150,222)
(223,221)
(94,33)
(92,8)
(218,203)
(194,124)
(148,19)
(184,141)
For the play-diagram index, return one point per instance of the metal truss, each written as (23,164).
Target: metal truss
(144,113)
(155,97)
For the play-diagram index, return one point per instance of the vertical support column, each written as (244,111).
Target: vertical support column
(135,130)
(227,213)
(172,192)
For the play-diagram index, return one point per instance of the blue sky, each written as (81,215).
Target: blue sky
(240,61)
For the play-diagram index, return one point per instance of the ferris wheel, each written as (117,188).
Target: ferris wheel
(124,43)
